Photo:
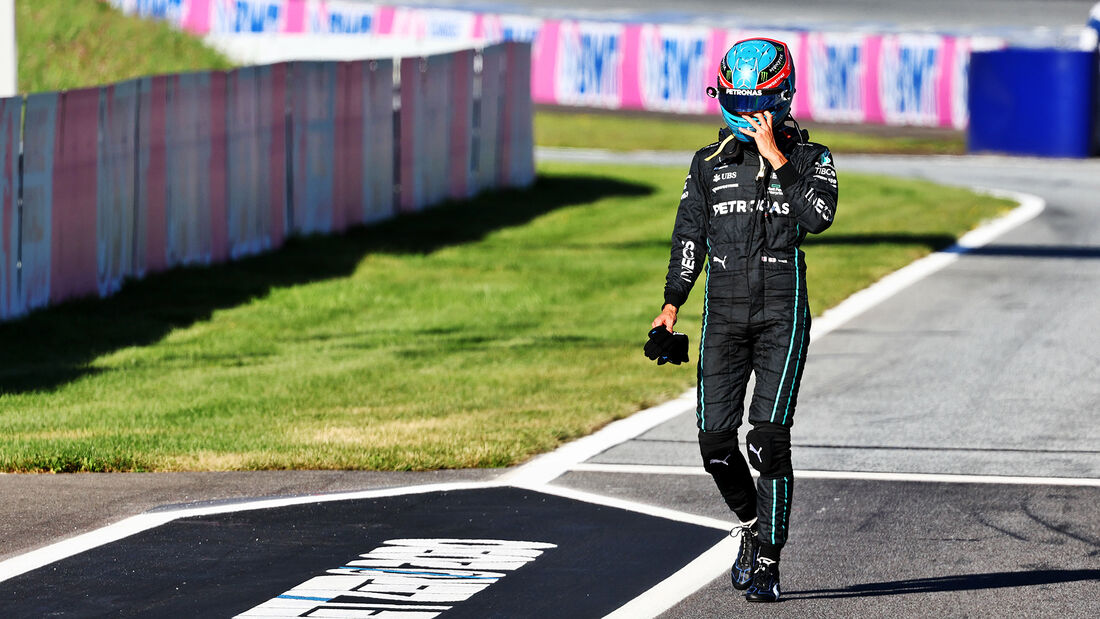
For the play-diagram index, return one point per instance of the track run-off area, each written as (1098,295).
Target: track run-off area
(945,451)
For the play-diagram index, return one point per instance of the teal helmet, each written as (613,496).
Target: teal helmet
(755,75)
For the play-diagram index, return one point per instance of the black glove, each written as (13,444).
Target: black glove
(666,347)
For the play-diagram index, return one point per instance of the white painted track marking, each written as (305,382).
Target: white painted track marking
(652,510)
(652,469)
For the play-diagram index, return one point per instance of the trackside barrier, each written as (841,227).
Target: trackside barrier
(517,115)
(116,186)
(189,152)
(377,170)
(313,118)
(73,243)
(10,111)
(425,142)
(256,148)
(102,185)
(487,146)
(151,201)
(35,216)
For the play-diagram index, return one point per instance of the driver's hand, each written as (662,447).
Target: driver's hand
(667,318)
(762,133)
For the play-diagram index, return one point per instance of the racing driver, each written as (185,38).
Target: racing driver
(748,202)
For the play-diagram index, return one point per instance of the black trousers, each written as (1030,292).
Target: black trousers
(773,348)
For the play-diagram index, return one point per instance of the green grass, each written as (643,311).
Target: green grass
(641,132)
(66,44)
(473,335)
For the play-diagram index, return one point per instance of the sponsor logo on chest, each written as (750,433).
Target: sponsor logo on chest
(733,207)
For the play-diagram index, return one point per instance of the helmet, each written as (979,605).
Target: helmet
(756,75)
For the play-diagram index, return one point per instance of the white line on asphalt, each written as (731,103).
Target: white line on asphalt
(652,469)
(652,510)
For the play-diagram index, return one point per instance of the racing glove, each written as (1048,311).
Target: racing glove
(666,347)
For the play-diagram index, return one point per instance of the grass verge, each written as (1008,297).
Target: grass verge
(629,132)
(66,44)
(473,335)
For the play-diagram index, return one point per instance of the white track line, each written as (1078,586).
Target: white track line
(645,508)
(651,469)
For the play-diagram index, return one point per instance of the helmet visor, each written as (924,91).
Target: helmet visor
(751,100)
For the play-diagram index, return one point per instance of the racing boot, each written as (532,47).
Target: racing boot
(765,582)
(741,572)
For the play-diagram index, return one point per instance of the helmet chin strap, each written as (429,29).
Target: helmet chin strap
(721,147)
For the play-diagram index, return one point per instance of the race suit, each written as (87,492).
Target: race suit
(743,222)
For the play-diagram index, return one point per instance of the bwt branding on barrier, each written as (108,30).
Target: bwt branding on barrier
(909,79)
(674,69)
(439,24)
(837,70)
(171,10)
(232,16)
(510,28)
(340,18)
(589,64)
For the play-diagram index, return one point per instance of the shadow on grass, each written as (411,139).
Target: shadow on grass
(962,582)
(53,346)
(934,242)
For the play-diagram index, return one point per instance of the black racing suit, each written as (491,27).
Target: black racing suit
(743,222)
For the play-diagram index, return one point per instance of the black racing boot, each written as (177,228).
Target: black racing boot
(741,572)
(765,582)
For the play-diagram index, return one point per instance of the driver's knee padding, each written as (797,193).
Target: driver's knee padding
(717,449)
(769,450)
